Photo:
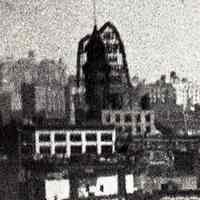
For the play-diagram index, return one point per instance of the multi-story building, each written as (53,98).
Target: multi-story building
(187,93)
(135,122)
(50,101)
(75,101)
(116,59)
(161,93)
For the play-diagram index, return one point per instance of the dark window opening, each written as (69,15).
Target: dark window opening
(44,138)
(148,129)
(119,129)
(76,150)
(128,129)
(108,118)
(106,137)
(60,149)
(91,149)
(101,188)
(128,118)
(117,118)
(27,149)
(60,137)
(45,150)
(27,138)
(75,138)
(91,137)
(138,129)
(116,101)
(138,118)
(148,117)
(87,188)
(106,150)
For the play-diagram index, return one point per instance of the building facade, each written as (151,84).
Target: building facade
(161,93)
(77,141)
(187,93)
(133,122)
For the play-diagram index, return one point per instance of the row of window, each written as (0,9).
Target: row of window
(127,118)
(74,137)
(75,150)
(112,58)
(108,36)
(111,48)
(129,129)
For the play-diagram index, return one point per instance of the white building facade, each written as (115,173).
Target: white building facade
(69,142)
(187,93)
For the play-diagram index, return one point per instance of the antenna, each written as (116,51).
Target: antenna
(94,12)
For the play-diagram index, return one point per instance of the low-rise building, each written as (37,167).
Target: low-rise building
(69,141)
(135,122)
(161,93)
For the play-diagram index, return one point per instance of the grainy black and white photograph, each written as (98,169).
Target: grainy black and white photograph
(99,100)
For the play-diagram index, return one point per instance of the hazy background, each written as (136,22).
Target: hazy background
(159,35)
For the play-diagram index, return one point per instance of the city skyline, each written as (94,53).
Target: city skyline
(159,36)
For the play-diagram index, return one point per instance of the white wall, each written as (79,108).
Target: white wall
(59,188)
(129,178)
(110,185)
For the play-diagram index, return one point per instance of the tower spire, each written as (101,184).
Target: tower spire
(94,12)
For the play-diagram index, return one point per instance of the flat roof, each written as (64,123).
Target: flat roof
(70,127)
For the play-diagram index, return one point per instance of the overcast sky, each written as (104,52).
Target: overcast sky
(159,35)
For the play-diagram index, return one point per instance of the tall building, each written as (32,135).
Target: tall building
(96,72)
(120,85)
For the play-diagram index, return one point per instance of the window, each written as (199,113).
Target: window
(107,35)
(76,150)
(148,118)
(128,129)
(117,118)
(27,150)
(91,149)
(60,149)
(138,118)
(101,188)
(87,188)
(106,150)
(108,118)
(60,137)
(75,137)
(138,129)
(44,138)
(148,129)
(119,129)
(128,118)
(45,150)
(106,137)
(91,137)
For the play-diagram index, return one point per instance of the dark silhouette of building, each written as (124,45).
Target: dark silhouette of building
(120,86)
(28,100)
(96,72)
